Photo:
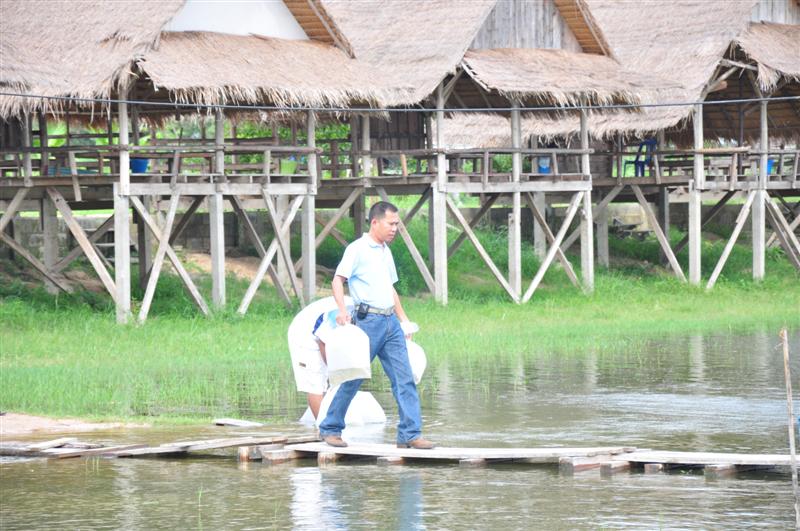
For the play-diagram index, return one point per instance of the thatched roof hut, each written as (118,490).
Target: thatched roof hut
(90,49)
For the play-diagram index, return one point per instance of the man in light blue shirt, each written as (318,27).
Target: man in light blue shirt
(368,268)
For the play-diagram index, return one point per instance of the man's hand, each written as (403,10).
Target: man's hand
(343,318)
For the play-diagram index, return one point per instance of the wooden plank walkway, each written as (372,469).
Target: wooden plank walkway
(707,458)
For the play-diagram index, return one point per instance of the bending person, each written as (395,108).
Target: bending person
(307,348)
(368,268)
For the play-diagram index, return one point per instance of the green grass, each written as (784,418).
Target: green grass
(64,355)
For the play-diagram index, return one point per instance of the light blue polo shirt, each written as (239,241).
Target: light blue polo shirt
(369,269)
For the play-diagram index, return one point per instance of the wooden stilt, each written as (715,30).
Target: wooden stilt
(737,229)
(539,242)
(308,223)
(144,245)
(49,222)
(716,209)
(27,164)
(662,213)
(596,211)
(601,221)
(695,199)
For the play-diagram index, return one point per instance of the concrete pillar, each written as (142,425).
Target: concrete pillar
(308,223)
(49,222)
(759,203)
(216,217)
(695,199)
(587,223)
(439,192)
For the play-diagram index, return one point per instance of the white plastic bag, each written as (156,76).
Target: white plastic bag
(417,359)
(347,352)
(364,409)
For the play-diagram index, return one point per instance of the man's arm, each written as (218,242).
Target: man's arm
(338,295)
(398,308)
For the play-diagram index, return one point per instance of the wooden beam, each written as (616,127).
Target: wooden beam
(24,253)
(695,199)
(185,218)
(439,206)
(597,211)
(12,208)
(282,235)
(587,220)
(485,207)
(308,224)
(83,241)
(716,209)
(77,251)
(554,247)
(787,237)
(481,251)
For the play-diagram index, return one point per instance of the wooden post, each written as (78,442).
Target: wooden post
(662,205)
(308,222)
(44,141)
(27,165)
(695,199)
(216,216)
(601,218)
(759,205)
(50,237)
(439,199)
(358,207)
(514,227)
(587,223)
(122,219)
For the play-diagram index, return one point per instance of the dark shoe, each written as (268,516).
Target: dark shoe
(334,440)
(419,444)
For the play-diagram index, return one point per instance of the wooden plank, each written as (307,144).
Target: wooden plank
(412,248)
(610,468)
(73,170)
(158,261)
(539,217)
(740,220)
(571,211)
(55,443)
(662,238)
(481,251)
(281,237)
(85,452)
(173,258)
(390,461)
(80,236)
(531,455)
(571,465)
(707,458)
(475,462)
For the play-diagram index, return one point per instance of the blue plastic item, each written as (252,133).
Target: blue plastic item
(139,165)
(644,156)
(543,164)
(770,165)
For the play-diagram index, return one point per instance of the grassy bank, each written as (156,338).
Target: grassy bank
(66,356)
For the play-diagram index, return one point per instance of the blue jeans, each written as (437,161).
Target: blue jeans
(386,340)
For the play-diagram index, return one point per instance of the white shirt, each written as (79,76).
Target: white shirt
(369,269)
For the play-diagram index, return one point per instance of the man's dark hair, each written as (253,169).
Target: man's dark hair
(379,210)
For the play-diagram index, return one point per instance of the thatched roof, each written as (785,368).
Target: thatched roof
(213,68)
(412,43)
(776,49)
(553,76)
(74,48)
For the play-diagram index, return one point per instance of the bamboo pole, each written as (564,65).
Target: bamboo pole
(788,375)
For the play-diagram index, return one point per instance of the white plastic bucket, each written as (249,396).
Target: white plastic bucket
(347,352)
(417,359)
(364,409)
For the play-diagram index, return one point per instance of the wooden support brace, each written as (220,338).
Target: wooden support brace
(612,467)
(106,226)
(596,213)
(331,224)
(662,238)
(412,248)
(185,218)
(478,247)
(716,209)
(282,236)
(173,258)
(551,253)
(390,461)
(485,207)
(252,234)
(785,235)
(12,208)
(336,234)
(84,243)
(571,465)
(426,195)
(73,170)
(539,216)
(158,261)
(327,458)
(737,229)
